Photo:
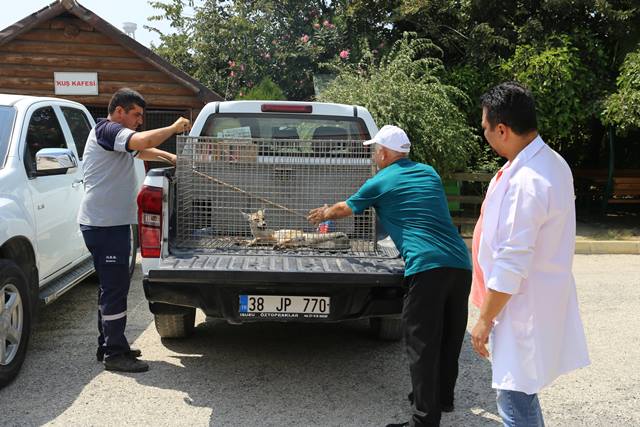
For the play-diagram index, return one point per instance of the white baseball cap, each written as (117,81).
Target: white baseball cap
(391,137)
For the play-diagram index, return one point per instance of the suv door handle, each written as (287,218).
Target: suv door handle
(77,182)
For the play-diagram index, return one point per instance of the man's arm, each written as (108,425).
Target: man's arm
(493,304)
(140,141)
(324,213)
(156,155)
(523,211)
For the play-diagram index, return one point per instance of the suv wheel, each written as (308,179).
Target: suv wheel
(15,320)
(386,328)
(175,325)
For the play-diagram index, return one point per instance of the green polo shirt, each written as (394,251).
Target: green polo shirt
(411,205)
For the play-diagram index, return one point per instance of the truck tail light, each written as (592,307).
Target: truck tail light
(150,221)
(286,108)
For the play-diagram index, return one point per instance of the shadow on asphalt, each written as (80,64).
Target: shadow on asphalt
(60,359)
(267,374)
(272,374)
(335,374)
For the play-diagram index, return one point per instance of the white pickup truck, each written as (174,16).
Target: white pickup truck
(226,230)
(42,252)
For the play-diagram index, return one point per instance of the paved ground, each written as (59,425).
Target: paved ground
(609,227)
(307,375)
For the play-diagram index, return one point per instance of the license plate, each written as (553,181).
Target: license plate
(284,306)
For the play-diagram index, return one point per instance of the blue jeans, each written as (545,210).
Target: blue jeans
(518,409)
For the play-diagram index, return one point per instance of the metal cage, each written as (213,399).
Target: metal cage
(254,194)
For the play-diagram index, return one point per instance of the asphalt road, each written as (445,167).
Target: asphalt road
(306,375)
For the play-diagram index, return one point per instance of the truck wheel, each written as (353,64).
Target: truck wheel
(15,320)
(386,328)
(133,238)
(175,325)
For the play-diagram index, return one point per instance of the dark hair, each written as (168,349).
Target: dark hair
(511,104)
(127,99)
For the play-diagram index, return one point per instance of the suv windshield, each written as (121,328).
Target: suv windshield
(7,115)
(304,129)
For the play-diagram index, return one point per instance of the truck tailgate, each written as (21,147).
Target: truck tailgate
(233,269)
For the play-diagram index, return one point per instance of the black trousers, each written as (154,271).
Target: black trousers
(434,319)
(110,248)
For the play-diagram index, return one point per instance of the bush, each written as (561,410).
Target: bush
(622,108)
(405,89)
(474,81)
(562,86)
(266,90)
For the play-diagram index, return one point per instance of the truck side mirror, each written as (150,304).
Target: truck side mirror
(55,161)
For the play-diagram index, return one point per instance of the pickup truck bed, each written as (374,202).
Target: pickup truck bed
(226,231)
(358,287)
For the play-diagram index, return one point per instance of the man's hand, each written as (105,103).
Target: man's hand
(316,216)
(155,155)
(493,304)
(181,125)
(337,211)
(480,336)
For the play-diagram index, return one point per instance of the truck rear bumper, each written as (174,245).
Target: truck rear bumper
(357,288)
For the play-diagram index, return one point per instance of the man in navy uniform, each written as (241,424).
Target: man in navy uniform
(109,208)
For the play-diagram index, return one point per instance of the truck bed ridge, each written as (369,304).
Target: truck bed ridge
(276,263)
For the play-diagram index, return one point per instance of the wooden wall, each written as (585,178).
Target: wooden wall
(66,43)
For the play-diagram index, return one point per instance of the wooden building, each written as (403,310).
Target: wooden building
(67,51)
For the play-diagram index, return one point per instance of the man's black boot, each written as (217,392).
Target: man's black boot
(133,352)
(125,363)
(447,407)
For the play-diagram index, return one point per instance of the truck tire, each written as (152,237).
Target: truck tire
(15,320)
(386,328)
(134,249)
(175,325)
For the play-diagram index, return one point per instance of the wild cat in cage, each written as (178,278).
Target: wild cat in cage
(281,239)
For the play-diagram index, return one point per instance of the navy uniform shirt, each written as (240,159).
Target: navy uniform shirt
(109,177)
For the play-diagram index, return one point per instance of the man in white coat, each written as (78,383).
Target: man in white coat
(522,253)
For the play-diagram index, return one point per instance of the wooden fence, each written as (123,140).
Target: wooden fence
(593,189)
(472,188)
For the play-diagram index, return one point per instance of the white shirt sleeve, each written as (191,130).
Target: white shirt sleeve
(122,139)
(523,211)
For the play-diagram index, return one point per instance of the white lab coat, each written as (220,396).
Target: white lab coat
(526,249)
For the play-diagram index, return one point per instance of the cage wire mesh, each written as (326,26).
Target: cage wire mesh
(240,194)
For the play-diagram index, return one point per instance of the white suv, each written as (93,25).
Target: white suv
(42,252)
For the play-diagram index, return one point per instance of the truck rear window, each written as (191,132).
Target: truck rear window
(307,130)
(7,116)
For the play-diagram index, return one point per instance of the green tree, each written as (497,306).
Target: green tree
(622,108)
(405,89)
(231,45)
(562,86)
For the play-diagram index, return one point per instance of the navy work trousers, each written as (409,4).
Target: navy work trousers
(434,319)
(110,247)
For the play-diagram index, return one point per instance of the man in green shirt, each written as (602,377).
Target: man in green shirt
(409,201)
